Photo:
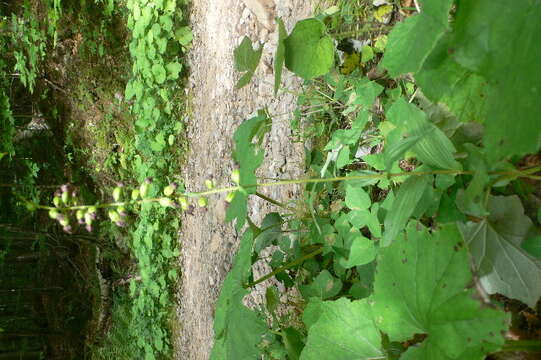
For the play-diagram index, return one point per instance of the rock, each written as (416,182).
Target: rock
(264,10)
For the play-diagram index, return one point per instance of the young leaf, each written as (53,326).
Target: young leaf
(361,252)
(309,50)
(404,204)
(184,35)
(159,73)
(271,231)
(237,329)
(173,68)
(341,330)
(246,60)
(280,55)
(419,289)
(413,39)
(495,244)
(366,93)
(324,286)
(433,147)
(357,198)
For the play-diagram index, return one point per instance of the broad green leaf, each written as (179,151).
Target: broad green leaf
(412,40)
(166,22)
(357,198)
(173,69)
(309,51)
(361,252)
(367,54)
(367,218)
(246,60)
(249,156)
(343,158)
(408,196)
(184,35)
(237,329)
(272,299)
(293,342)
(238,209)
(342,330)
(419,289)
(349,136)
(271,230)
(433,148)
(488,48)
(442,79)
(495,244)
(279,59)
(471,201)
(366,93)
(159,73)
(323,286)
(532,246)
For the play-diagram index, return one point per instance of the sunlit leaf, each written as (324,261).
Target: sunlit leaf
(237,329)
(309,51)
(419,289)
(246,60)
(341,330)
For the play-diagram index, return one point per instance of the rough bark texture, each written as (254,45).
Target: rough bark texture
(208,244)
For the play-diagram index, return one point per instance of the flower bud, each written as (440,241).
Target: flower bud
(170,189)
(229,197)
(209,184)
(68,229)
(53,214)
(135,194)
(64,188)
(235,176)
(183,202)
(88,227)
(120,223)
(65,197)
(122,211)
(202,201)
(30,206)
(166,202)
(117,191)
(88,218)
(113,215)
(143,189)
(64,221)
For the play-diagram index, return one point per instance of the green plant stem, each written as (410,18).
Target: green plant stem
(272,201)
(286,266)
(517,173)
(522,345)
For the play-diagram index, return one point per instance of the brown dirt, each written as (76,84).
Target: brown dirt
(208,244)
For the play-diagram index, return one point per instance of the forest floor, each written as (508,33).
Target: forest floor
(208,244)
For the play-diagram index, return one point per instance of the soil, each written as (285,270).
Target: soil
(208,244)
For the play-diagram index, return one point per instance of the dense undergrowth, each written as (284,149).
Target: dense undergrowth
(420,219)
(109,75)
(417,236)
